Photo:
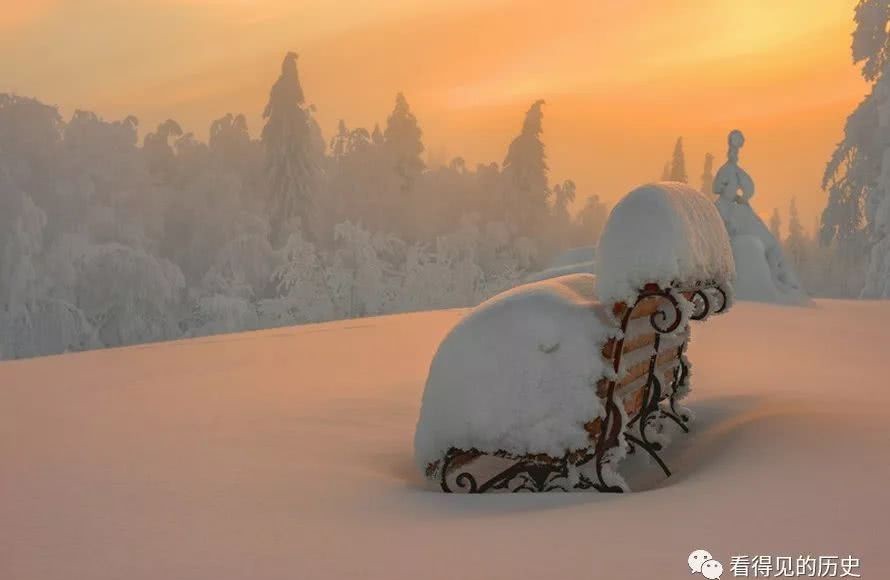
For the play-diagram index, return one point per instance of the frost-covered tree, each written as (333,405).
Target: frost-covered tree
(301,282)
(707,177)
(854,177)
(377,135)
(360,279)
(563,197)
(402,138)
(108,241)
(796,242)
(666,171)
(230,139)
(447,275)
(340,141)
(678,163)
(560,226)
(293,153)
(525,174)
(775,224)
(128,295)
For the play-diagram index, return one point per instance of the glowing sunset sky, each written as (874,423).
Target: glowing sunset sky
(621,79)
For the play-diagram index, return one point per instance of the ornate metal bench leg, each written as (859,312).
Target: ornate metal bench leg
(609,435)
(653,395)
(680,378)
(646,447)
(650,405)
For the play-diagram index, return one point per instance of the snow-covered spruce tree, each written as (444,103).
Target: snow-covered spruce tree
(402,137)
(796,242)
(403,147)
(525,175)
(563,197)
(775,224)
(361,185)
(678,163)
(857,177)
(707,177)
(293,153)
(666,171)
(340,141)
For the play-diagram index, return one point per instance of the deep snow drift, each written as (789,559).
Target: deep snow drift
(287,454)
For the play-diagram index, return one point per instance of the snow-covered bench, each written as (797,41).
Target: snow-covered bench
(549,385)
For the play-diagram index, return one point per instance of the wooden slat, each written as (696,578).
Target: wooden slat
(644,307)
(640,369)
(633,402)
(630,344)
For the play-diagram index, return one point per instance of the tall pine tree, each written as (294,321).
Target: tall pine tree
(707,176)
(402,138)
(678,163)
(525,172)
(796,241)
(294,155)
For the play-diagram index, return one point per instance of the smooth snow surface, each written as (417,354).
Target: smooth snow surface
(663,233)
(517,374)
(287,455)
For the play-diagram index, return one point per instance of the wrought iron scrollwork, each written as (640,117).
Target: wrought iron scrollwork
(665,320)
(681,378)
(724,299)
(525,474)
(701,305)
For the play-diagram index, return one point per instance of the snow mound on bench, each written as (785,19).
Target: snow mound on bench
(663,233)
(517,373)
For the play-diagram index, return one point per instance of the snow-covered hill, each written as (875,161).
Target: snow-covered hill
(286,454)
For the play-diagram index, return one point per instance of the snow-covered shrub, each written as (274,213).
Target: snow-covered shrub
(218,313)
(361,281)
(128,295)
(302,293)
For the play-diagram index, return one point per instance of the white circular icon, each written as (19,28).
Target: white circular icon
(697,558)
(712,569)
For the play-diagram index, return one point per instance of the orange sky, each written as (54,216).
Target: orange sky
(621,79)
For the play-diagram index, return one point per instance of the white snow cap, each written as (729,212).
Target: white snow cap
(664,233)
(517,374)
